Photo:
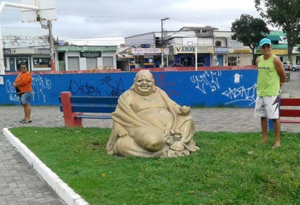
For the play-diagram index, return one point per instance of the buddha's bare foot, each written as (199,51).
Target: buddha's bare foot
(177,146)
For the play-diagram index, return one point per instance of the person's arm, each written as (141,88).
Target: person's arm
(23,81)
(280,70)
(16,83)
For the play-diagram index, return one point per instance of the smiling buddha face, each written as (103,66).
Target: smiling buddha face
(144,83)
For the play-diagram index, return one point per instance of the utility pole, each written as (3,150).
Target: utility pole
(51,46)
(162,41)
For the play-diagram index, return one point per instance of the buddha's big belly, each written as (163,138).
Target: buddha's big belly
(159,117)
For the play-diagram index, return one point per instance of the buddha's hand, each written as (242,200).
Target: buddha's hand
(184,110)
(122,133)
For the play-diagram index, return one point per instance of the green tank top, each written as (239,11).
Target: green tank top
(268,81)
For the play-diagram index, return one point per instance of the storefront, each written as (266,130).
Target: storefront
(145,57)
(220,56)
(239,57)
(187,55)
(35,59)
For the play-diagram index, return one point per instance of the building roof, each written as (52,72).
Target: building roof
(195,28)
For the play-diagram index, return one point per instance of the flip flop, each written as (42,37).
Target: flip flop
(25,121)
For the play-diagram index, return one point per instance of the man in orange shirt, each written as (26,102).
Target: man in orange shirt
(24,91)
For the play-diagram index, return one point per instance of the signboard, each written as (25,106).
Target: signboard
(6,51)
(145,50)
(221,50)
(90,54)
(243,51)
(145,45)
(187,49)
(276,52)
(166,51)
(43,51)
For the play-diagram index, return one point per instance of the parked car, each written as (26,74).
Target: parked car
(296,67)
(176,65)
(287,66)
(198,65)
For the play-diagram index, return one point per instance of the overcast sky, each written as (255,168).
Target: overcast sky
(78,19)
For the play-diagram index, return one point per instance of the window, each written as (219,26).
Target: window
(42,62)
(232,61)
(218,43)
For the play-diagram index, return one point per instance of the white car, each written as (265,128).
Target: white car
(296,67)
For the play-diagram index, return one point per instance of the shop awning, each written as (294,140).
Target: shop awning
(274,37)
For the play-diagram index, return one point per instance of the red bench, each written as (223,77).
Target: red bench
(290,110)
(76,107)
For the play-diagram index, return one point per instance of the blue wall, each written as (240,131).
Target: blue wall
(193,88)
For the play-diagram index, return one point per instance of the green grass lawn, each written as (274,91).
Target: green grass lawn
(229,168)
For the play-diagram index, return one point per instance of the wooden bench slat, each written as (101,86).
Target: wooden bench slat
(289,120)
(290,102)
(289,113)
(93,108)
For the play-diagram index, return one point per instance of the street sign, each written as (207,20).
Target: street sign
(166,51)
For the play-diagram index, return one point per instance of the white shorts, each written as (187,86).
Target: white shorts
(267,106)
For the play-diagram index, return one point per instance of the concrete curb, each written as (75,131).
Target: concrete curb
(61,188)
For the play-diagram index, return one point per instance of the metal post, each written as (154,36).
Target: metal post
(196,58)
(2,67)
(162,42)
(51,46)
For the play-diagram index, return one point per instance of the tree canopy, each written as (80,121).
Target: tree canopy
(249,31)
(283,14)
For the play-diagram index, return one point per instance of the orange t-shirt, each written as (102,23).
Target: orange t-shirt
(24,82)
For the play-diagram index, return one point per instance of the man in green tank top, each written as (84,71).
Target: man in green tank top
(270,78)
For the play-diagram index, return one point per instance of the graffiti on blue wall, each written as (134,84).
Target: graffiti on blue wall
(78,87)
(241,93)
(39,85)
(165,85)
(191,88)
(11,91)
(207,80)
(112,87)
(116,87)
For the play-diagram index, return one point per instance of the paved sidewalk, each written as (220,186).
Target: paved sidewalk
(21,185)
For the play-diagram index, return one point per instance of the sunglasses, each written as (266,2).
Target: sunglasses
(265,46)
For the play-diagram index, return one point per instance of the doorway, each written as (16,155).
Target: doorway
(20,61)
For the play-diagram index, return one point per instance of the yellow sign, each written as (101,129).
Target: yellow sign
(279,52)
(275,51)
(243,51)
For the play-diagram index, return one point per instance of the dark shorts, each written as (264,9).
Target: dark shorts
(26,98)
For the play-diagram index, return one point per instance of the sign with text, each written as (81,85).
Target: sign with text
(187,49)
(242,51)
(90,54)
(145,50)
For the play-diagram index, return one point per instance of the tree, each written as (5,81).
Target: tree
(249,31)
(283,14)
